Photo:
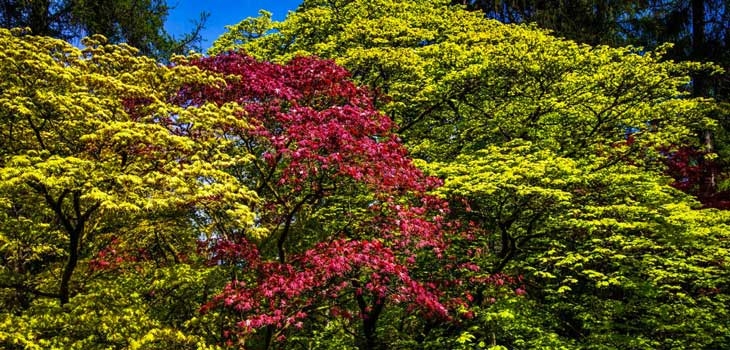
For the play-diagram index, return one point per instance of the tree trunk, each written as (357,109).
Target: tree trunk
(39,17)
(73,259)
(370,315)
(369,324)
(699,89)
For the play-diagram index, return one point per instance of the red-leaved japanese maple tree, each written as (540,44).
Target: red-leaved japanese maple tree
(346,214)
(695,173)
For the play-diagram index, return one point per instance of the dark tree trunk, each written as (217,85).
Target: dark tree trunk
(699,89)
(369,324)
(370,314)
(73,259)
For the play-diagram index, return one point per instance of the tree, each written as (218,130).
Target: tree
(590,22)
(611,256)
(84,170)
(697,28)
(346,211)
(541,144)
(139,23)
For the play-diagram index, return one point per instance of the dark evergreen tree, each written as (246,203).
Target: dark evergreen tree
(590,22)
(140,23)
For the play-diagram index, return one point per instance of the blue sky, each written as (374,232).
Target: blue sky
(222,13)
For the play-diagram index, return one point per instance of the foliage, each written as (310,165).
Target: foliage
(266,200)
(80,173)
(139,23)
(345,208)
(454,88)
(609,254)
(551,152)
(699,31)
(698,28)
(272,195)
(590,22)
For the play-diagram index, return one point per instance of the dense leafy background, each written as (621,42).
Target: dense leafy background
(364,174)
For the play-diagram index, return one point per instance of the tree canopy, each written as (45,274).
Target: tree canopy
(364,174)
(699,31)
(81,174)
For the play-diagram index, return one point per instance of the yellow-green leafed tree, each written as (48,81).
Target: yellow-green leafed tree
(90,180)
(612,257)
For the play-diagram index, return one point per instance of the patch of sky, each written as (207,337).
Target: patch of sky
(222,13)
